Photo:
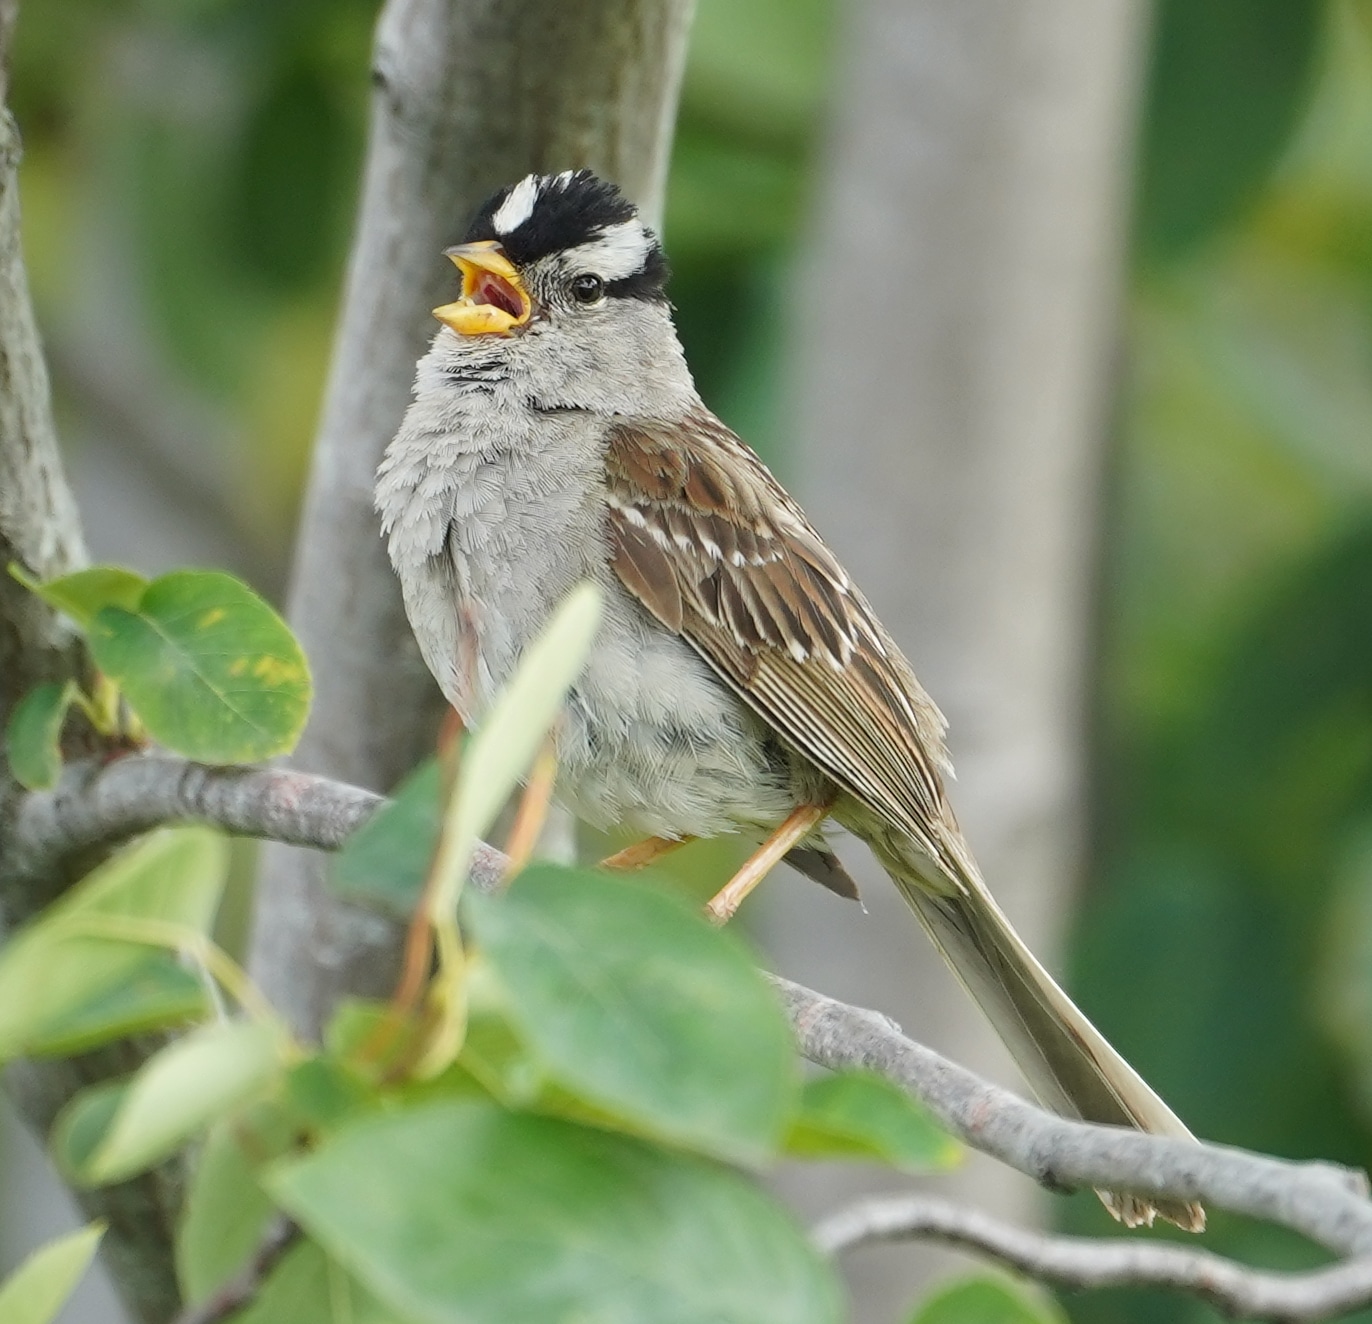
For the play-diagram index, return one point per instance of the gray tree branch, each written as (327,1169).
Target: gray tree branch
(1329,1204)
(1082,1263)
(41,530)
(1323,1201)
(978,159)
(469,94)
(98,804)
(39,526)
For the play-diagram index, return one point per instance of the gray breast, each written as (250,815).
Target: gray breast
(492,513)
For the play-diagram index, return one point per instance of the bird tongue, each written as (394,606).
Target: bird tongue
(496,291)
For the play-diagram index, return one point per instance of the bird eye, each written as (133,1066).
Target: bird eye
(587,288)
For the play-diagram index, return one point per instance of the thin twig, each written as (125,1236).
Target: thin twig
(1080,1263)
(244,1286)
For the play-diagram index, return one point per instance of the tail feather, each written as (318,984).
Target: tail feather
(1066,1060)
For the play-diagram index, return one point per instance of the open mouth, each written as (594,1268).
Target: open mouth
(485,287)
(494,301)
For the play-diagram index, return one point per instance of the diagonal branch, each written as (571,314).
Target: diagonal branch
(1323,1201)
(99,805)
(95,805)
(1081,1263)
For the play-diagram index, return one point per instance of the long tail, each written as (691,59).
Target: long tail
(1065,1059)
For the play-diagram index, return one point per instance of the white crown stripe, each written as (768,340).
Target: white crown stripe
(518,207)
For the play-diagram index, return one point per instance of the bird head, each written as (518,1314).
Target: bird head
(563,283)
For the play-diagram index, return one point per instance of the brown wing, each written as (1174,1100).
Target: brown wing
(703,535)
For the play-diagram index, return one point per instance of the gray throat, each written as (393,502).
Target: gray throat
(490,511)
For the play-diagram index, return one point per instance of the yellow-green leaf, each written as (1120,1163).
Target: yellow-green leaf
(84,592)
(499,754)
(989,1299)
(64,986)
(175,1094)
(210,668)
(38,1288)
(856,1114)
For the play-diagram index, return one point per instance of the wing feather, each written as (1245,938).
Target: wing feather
(712,545)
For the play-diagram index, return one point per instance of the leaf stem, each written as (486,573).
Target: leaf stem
(533,810)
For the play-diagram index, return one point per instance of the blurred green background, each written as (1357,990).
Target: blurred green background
(188,187)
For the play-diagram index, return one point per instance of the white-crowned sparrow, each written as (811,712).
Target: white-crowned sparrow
(740,682)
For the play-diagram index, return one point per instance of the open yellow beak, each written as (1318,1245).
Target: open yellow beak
(493,300)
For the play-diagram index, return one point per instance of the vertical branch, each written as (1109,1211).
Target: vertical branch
(41,529)
(39,526)
(954,442)
(469,94)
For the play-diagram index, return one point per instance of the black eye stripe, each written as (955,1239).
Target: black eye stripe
(648,283)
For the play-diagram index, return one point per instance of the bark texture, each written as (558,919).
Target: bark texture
(41,530)
(39,527)
(951,406)
(469,94)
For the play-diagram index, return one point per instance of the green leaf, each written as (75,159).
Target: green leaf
(323,1093)
(495,1055)
(82,1124)
(175,1094)
(175,874)
(354,1027)
(213,672)
(156,992)
(81,594)
(856,1114)
(309,1288)
(639,1007)
(226,1210)
(1229,82)
(499,754)
(369,1046)
(460,1211)
(33,739)
(62,987)
(386,861)
(989,1299)
(38,1288)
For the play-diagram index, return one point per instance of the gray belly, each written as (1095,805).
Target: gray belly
(655,743)
(651,741)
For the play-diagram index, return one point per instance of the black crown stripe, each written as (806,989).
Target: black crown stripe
(565,214)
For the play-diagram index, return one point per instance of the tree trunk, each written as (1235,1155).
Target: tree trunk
(470,94)
(957,331)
